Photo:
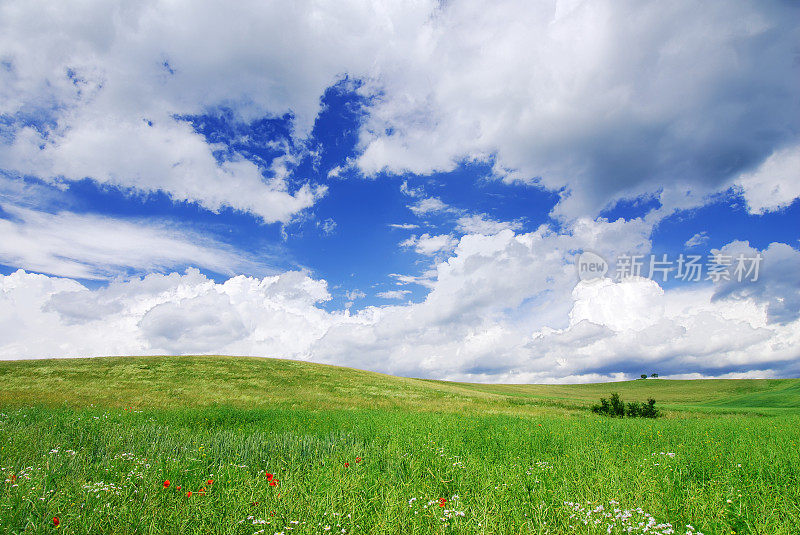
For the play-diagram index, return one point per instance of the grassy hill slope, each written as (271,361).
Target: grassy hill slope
(198,381)
(361,453)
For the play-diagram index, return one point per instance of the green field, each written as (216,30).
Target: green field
(92,441)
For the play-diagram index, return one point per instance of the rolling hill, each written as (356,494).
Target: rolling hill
(198,381)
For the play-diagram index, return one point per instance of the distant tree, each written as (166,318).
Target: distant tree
(654,375)
(643,376)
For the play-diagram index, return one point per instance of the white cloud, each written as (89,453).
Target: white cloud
(327,226)
(426,279)
(776,284)
(428,205)
(627,109)
(161,314)
(111,81)
(409,191)
(618,306)
(403,226)
(503,307)
(430,245)
(393,294)
(193,324)
(90,246)
(168,156)
(678,332)
(775,184)
(656,106)
(355,294)
(483,224)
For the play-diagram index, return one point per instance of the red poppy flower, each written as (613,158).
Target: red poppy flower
(56,521)
(189,494)
(210,481)
(178,487)
(269,476)
(273,483)
(166,483)
(442,501)
(358,459)
(347,465)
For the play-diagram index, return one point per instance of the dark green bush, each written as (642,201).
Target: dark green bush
(649,410)
(616,408)
(634,409)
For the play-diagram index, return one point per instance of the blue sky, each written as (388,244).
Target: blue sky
(410,198)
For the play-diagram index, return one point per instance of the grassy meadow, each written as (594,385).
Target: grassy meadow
(274,446)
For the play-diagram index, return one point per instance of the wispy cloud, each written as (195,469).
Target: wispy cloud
(483,224)
(87,246)
(698,239)
(431,245)
(393,294)
(429,205)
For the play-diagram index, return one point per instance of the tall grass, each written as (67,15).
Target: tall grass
(503,473)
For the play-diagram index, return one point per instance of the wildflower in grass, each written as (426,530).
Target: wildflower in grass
(358,459)
(347,465)
(189,494)
(166,483)
(210,481)
(178,487)
(273,483)
(269,476)
(56,521)
(442,501)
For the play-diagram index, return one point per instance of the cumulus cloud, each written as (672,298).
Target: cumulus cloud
(193,324)
(159,314)
(677,333)
(98,90)
(618,306)
(673,100)
(502,307)
(773,281)
(653,98)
